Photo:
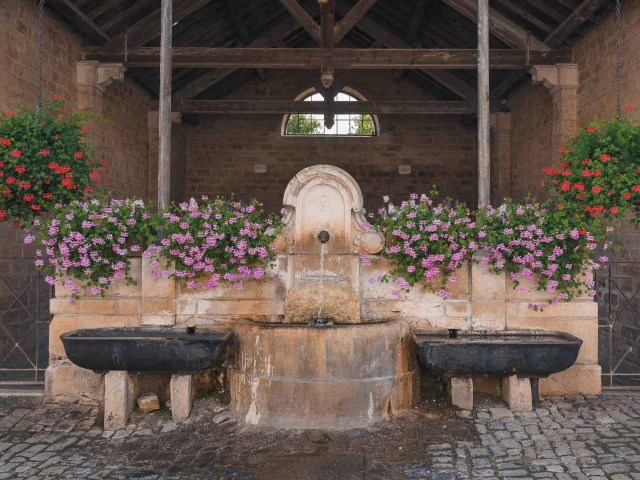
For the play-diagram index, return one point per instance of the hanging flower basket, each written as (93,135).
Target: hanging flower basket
(44,161)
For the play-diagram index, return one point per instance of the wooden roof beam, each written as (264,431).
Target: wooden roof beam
(272,107)
(243,33)
(351,18)
(446,79)
(79,20)
(211,78)
(580,15)
(500,26)
(149,27)
(345,58)
(304,19)
(414,28)
(572,22)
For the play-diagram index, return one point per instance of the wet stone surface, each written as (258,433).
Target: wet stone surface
(566,438)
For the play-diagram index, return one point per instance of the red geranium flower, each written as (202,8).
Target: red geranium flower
(88,189)
(94,175)
(596,189)
(597,173)
(84,130)
(638,169)
(591,129)
(57,98)
(586,173)
(566,186)
(3,215)
(55,137)
(626,195)
(103,162)
(605,158)
(11,181)
(47,196)
(28,197)
(1,164)
(582,231)
(579,187)
(10,113)
(636,188)
(44,153)
(586,161)
(20,169)
(16,153)
(25,185)
(613,210)
(78,155)
(629,108)
(35,207)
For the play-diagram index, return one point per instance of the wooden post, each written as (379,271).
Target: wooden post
(484,127)
(164,157)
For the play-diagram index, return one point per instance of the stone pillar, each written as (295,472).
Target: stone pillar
(562,82)
(92,78)
(488,296)
(181,387)
(461,392)
(517,393)
(501,130)
(153,124)
(120,390)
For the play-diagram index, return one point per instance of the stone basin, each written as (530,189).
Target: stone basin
(138,350)
(528,354)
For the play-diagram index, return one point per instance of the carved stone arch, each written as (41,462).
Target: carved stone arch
(323,197)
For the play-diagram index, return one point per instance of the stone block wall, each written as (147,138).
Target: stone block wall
(481,300)
(123,126)
(223,150)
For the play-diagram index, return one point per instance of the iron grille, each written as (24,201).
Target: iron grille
(618,286)
(24,322)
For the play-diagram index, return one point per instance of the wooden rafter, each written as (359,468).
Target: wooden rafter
(243,33)
(79,19)
(414,27)
(211,78)
(572,22)
(128,13)
(579,15)
(446,79)
(377,107)
(346,58)
(304,19)
(500,26)
(105,7)
(149,27)
(351,18)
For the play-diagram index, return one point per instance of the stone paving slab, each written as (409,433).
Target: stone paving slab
(566,438)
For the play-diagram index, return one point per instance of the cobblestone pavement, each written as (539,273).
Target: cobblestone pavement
(567,438)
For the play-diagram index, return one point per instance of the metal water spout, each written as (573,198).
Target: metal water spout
(324,236)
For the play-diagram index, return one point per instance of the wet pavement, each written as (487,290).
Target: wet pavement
(566,438)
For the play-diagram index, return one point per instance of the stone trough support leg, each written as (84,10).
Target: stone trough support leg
(181,396)
(120,390)
(461,391)
(517,393)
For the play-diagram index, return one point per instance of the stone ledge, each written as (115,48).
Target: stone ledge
(68,383)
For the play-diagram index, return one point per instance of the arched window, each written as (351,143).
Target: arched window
(360,125)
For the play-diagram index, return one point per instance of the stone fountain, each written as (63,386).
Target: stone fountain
(323,366)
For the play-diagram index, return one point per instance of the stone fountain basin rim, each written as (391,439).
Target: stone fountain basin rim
(531,337)
(316,327)
(497,354)
(145,350)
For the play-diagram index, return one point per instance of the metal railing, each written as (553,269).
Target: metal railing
(618,286)
(24,322)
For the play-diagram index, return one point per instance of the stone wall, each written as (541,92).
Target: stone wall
(123,127)
(223,150)
(481,300)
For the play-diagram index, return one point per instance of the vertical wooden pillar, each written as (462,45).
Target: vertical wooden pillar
(501,150)
(484,129)
(164,157)
(562,82)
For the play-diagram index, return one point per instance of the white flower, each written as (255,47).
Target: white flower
(385,199)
